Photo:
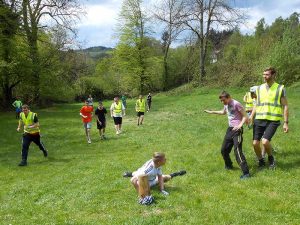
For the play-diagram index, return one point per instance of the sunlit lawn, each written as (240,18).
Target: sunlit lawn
(83,184)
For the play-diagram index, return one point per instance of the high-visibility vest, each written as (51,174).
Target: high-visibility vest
(140,105)
(118,108)
(249,102)
(28,121)
(268,106)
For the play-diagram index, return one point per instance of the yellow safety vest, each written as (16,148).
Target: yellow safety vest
(140,105)
(249,102)
(118,108)
(268,106)
(28,121)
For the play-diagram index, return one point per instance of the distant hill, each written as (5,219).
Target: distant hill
(96,52)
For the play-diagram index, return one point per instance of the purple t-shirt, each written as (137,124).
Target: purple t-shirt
(233,110)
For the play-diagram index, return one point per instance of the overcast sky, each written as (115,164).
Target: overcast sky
(97,27)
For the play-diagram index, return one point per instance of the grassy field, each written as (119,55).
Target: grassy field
(83,184)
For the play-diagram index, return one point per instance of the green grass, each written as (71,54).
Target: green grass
(83,184)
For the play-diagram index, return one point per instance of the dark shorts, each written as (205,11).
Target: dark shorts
(102,125)
(118,120)
(18,110)
(140,114)
(264,129)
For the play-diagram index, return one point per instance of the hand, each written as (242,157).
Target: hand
(18,129)
(165,193)
(285,128)
(236,128)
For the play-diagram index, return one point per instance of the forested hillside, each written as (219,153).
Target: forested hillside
(41,62)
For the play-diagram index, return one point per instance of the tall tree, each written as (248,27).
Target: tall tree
(133,32)
(9,23)
(169,12)
(199,16)
(62,12)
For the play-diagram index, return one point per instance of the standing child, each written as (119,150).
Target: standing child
(101,120)
(140,107)
(18,105)
(149,101)
(86,113)
(117,111)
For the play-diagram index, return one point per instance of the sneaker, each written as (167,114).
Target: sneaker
(45,153)
(272,163)
(89,141)
(117,132)
(104,138)
(127,174)
(229,167)
(245,176)
(180,173)
(23,163)
(261,163)
(120,131)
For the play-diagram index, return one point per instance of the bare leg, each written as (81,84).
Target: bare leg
(134,181)
(257,149)
(142,119)
(267,146)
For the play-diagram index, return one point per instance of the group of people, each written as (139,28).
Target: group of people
(117,112)
(266,105)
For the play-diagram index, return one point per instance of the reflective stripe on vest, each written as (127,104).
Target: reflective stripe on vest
(249,102)
(141,105)
(268,105)
(118,108)
(28,121)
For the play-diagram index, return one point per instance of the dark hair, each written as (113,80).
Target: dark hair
(224,94)
(271,69)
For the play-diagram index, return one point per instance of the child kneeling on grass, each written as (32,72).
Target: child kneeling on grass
(152,169)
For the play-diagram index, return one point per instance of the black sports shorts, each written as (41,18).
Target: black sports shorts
(118,120)
(102,125)
(140,114)
(264,129)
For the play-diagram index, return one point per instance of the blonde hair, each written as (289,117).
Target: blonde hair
(158,156)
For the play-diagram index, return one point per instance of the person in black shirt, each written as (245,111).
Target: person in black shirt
(149,101)
(101,120)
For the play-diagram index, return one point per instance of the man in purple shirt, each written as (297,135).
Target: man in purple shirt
(234,134)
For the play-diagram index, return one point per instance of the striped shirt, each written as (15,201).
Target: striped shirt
(149,169)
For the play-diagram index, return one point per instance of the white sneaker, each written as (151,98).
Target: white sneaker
(117,132)
(89,141)
(120,131)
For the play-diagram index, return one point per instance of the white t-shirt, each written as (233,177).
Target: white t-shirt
(149,169)
(112,107)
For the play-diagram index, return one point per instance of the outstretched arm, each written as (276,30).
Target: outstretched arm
(221,112)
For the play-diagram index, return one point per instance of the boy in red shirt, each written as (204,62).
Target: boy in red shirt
(86,113)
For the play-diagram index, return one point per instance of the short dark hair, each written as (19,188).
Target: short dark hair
(224,94)
(271,69)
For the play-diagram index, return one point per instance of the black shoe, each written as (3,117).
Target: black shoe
(45,153)
(272,163)
(127,174)
(229,167)
(245,176)
(261,163)
(23,163)
(180,173)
